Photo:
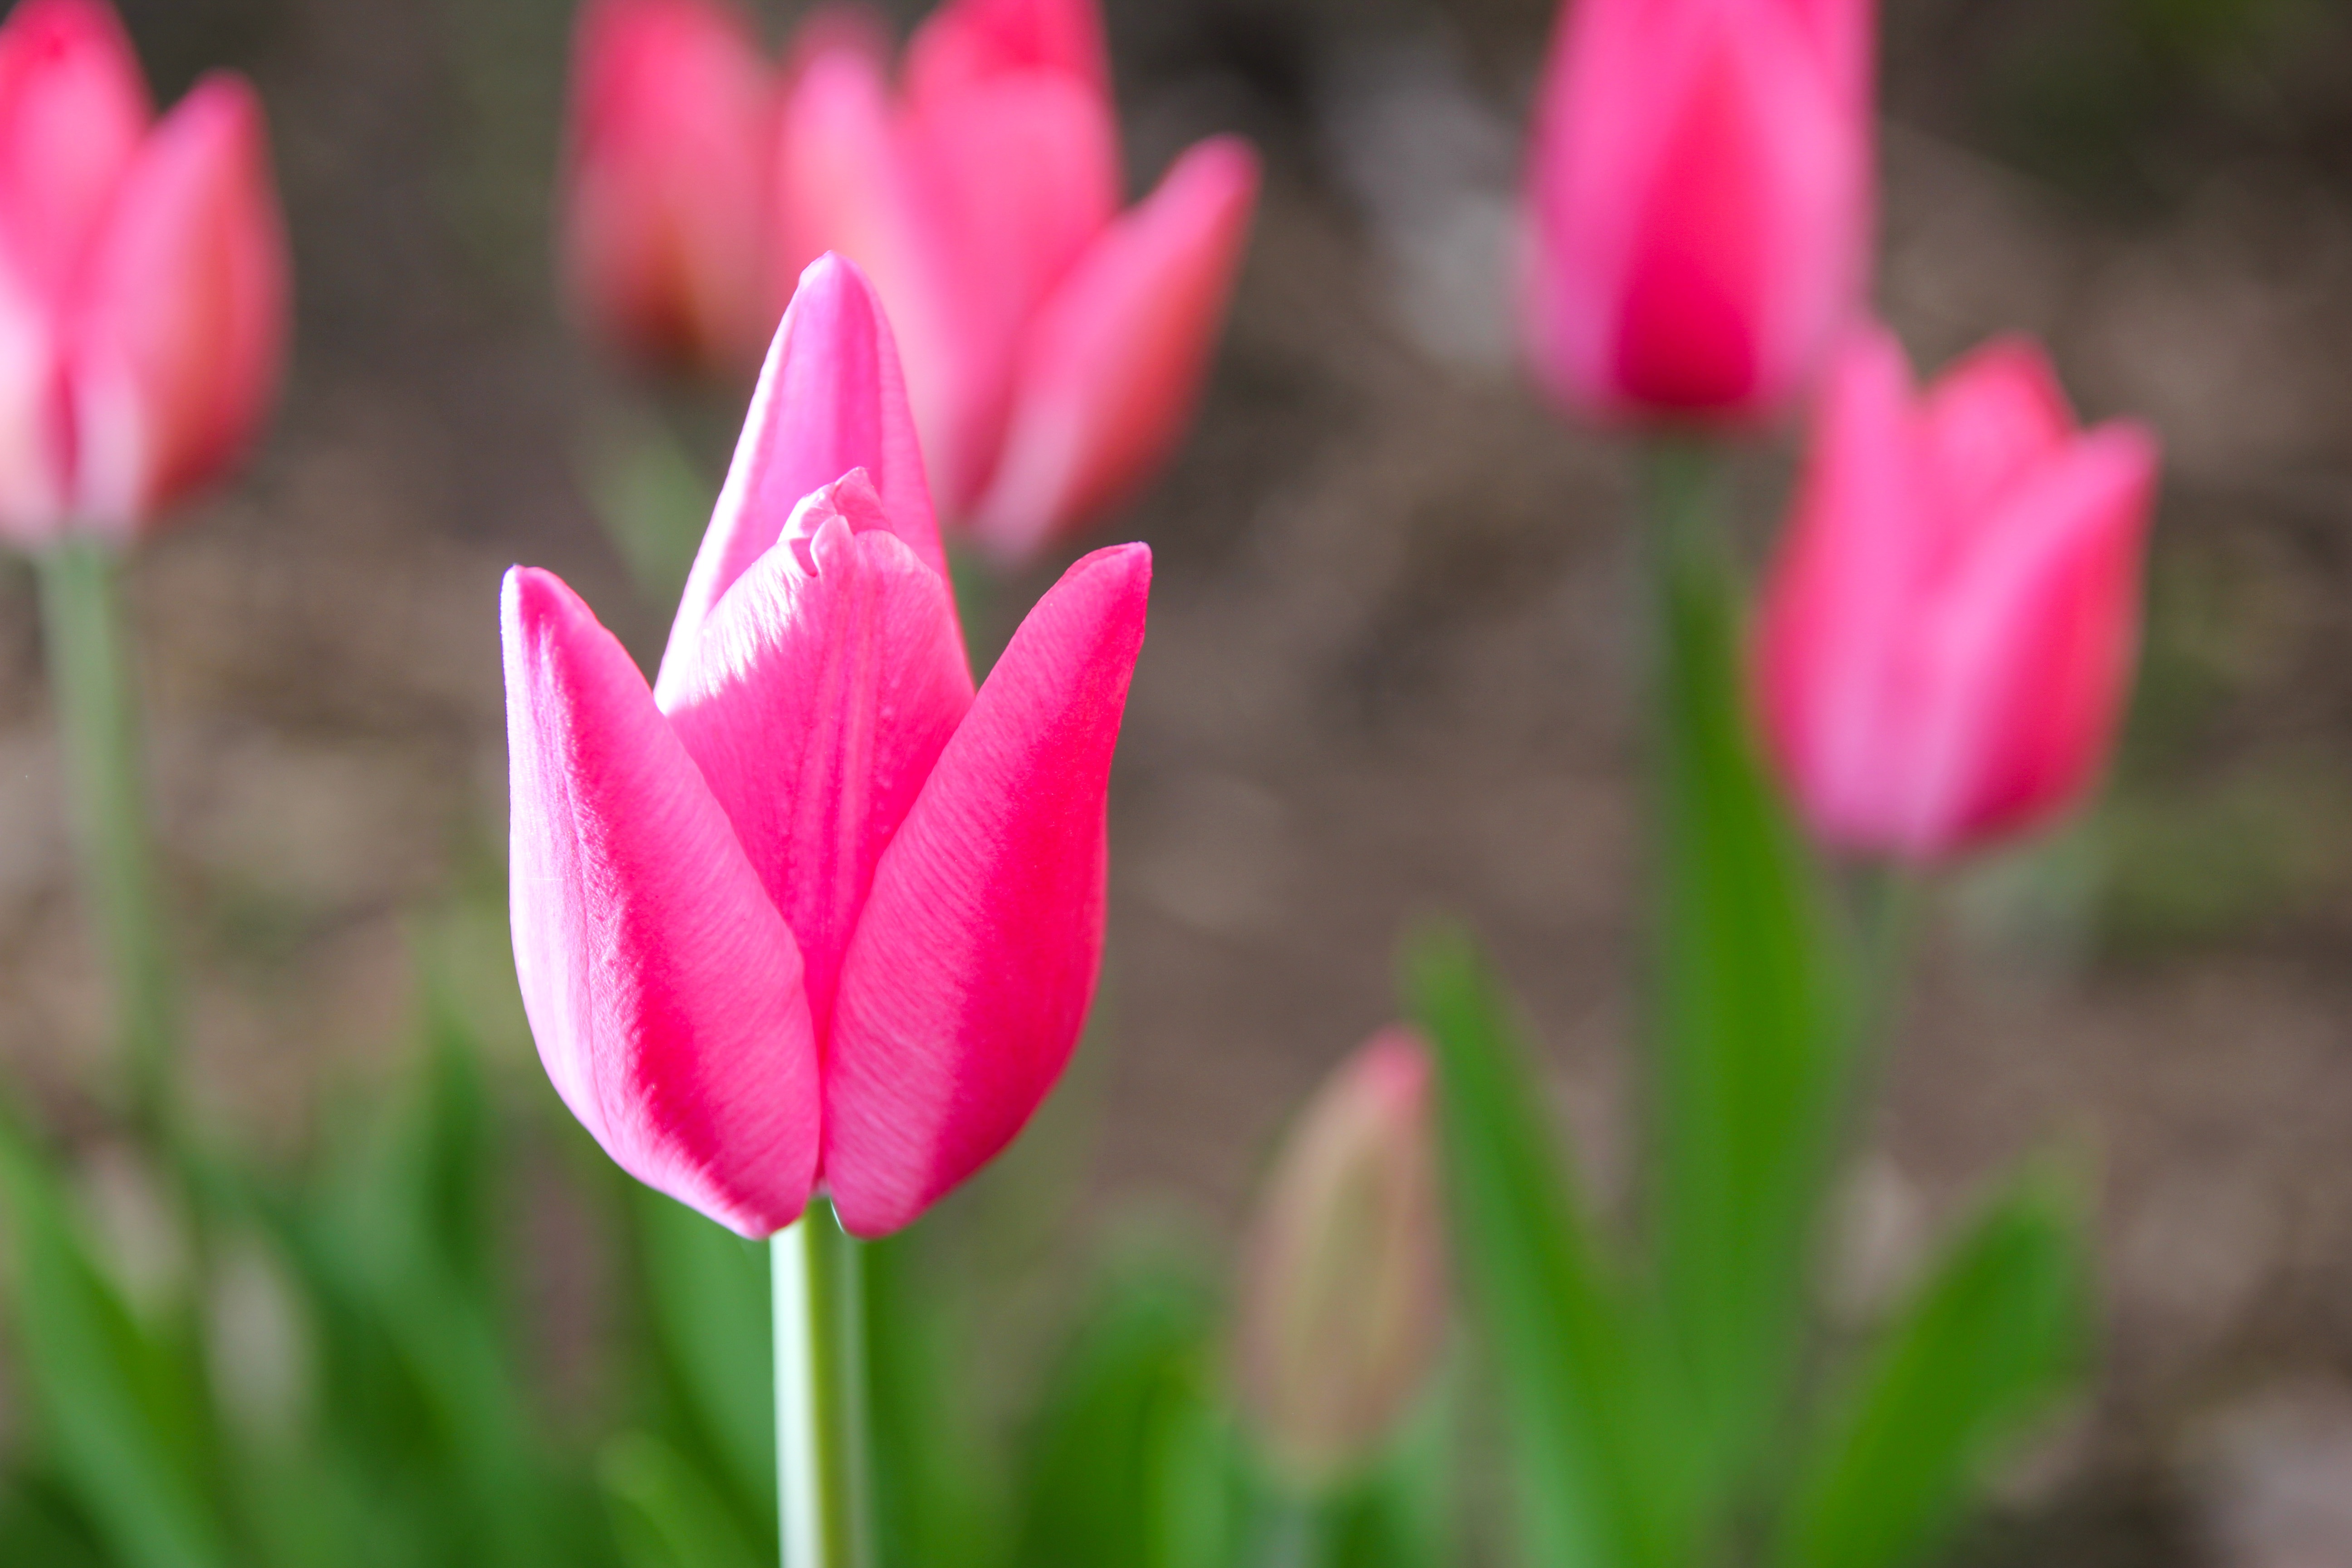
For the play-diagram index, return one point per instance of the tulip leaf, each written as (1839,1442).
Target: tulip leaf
(1988,1343)
(665,1515)
(1130,1460)
(709,1294)
(122,1401)
(1532,1268)
(1751,1048)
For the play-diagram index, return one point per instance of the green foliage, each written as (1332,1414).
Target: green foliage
(1991,1338)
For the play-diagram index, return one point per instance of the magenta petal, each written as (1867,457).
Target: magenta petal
(973,967)
(815,701)
(970,41)
(2032,649)
(830,399)
(1990,419)
(1113,363)
(662,986)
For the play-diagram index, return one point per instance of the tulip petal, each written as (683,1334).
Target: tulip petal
(974,963)
(2033,648)
(1836,681)
(1021,172)
(663,988)
(1114,364)
(73,108)
(970,41)
(1991,420)
(830,399)
(667,182)
(177,337)
(815,702)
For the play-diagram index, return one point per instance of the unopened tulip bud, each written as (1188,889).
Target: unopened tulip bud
(1343,1297)
(1698,203)
(142,280)
(665,184)
(1948,633)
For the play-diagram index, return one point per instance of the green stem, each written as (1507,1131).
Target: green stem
(90,679)
(820,1393)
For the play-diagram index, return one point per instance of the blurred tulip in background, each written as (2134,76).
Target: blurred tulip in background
(1949,632)
(1055,345)
(809,911)
(664,196)
(1343,1298)
(142,280)
(1698,203)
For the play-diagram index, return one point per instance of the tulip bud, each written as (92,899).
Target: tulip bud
(1948,633)
(143,280)
(1698,203)
(1343,1293)
(665,184)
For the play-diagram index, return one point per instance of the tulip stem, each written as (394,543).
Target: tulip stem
(820,1393)
(90,685)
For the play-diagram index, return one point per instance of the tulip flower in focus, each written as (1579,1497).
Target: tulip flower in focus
(1055,345)
(809,910)
(1949,635)
(1698,203)
(142,280)
(1343,1300)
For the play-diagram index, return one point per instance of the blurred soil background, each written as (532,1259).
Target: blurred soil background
(1388,667)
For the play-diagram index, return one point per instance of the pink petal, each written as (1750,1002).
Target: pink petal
(1114,364)
(1844,599)
(969,41)
(179,332)
(814,702)
(2034,646)
(1021,172)
(830,399)
(667,182)
(1991,420)
(973,967)
(663,988)
(73,110)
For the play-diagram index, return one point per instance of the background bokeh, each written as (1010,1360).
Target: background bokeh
(1386,672)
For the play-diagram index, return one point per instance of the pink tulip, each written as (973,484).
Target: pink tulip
(1949,634)
(1055,346)
(809,911)
(143,280)
(666,186)
(1343,1300)
(1698,203)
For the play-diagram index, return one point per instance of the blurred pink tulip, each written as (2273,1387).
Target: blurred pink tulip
(1342,1305)
(667,176)
(1055,346)
(1949,635)
(142,280)
(1697,217)
(809,911)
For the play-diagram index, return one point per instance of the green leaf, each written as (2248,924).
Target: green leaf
(121,1403)
(663,1514)
(1989,1342)
(1584,1412)
(932,1470)
(1130,1463)
(707,1288)
(1752,1030)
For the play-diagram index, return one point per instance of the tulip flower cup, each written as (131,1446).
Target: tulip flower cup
(809,914)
